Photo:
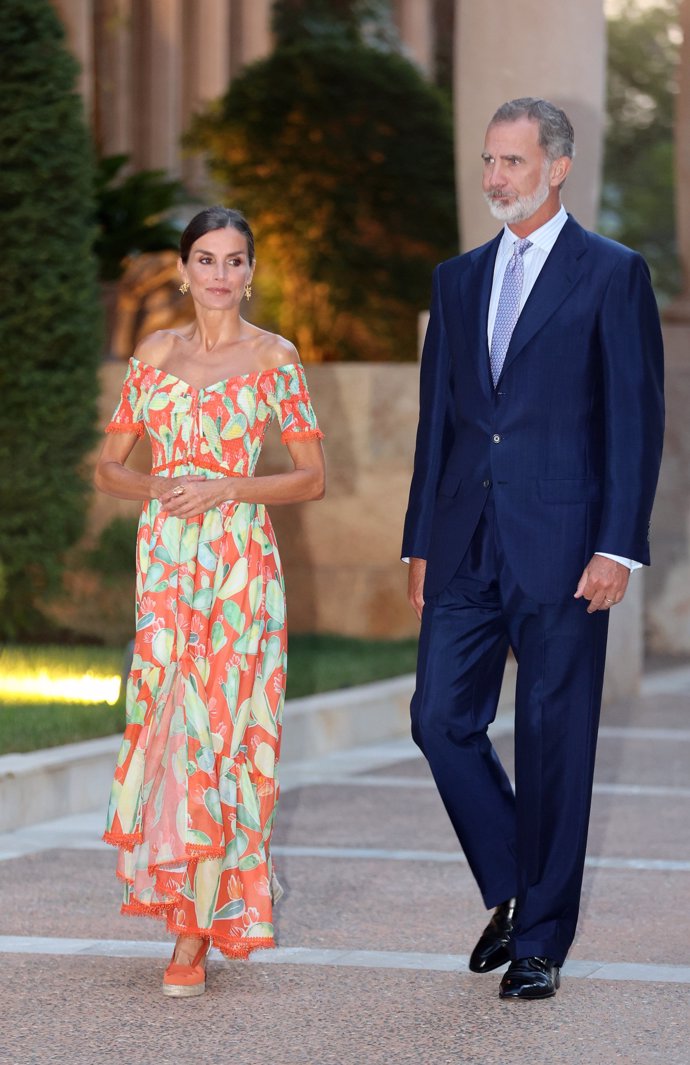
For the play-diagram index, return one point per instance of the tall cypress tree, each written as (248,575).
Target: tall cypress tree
(49,309)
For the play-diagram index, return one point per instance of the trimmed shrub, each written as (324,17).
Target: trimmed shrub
(341,154)
(113,556)
(49,308)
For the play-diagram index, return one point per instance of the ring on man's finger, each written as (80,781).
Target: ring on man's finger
(609,600)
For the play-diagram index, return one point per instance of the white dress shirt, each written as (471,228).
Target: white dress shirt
(542,241)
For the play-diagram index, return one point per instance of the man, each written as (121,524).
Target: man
(538,451)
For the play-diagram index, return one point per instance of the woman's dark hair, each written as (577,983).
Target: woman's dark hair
(215,218)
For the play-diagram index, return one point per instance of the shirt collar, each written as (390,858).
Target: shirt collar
(544,237)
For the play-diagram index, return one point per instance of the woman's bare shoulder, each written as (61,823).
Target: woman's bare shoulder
(155,348)
(274,350)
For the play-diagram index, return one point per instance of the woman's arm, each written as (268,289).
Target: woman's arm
(306,481)
(112,477)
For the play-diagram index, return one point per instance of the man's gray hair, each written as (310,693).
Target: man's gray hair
(556,134)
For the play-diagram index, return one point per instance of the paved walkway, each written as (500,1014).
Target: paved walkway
(379,915)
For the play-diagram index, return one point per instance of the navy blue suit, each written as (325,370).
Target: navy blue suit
(514,489)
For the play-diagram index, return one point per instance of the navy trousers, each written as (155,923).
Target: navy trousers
(528,842)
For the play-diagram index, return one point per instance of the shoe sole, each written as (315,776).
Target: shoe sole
(490,967)
(183,990)
(526,998)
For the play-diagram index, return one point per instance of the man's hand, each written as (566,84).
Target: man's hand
(603,582)
(415,585)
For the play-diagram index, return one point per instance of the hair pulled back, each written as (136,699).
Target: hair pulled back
(216,217)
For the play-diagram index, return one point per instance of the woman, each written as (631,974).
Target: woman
(195,788)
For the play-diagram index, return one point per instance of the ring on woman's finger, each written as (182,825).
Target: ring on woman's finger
(178,491)
(609,600)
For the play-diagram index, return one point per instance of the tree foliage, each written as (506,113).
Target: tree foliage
(341,154)
(49,307)
(638,192)
(347,21)
(131,213)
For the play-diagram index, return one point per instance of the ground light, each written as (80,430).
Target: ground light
(52,686)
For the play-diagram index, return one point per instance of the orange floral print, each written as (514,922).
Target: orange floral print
(194,797)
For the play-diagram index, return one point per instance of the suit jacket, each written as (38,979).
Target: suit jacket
(569,442)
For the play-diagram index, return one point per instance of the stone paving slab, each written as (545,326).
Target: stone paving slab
(329,815)
(67,894)
(634,916)
(642,761)
(628,826)
(620,826)
(363,905)
(654,709)
(305,1015)
(620,760)
(379,916)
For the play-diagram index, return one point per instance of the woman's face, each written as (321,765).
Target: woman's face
(218,269)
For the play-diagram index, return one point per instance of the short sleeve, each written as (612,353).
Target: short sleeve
(128,415)
(290,400)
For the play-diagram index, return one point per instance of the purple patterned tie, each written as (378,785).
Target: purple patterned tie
(508,307)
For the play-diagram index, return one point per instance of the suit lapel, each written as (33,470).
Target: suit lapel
(558,276)
(474,296)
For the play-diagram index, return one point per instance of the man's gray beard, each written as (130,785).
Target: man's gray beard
(523,207)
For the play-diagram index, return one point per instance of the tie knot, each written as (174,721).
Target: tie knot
(521,246)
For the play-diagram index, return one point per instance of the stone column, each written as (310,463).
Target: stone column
(256,29)
(163,97)
(679,310)
(505,50)
(77,16)
(416,24)
(113,106)
(207,70)
(209,52)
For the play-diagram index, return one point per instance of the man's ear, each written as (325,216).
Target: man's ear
(560,169)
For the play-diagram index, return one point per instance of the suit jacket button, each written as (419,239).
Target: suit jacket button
(486,484)
(496,438)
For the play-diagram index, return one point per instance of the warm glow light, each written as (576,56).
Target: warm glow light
(53,687)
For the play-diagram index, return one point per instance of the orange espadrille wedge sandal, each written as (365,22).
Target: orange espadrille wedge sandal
(185,981)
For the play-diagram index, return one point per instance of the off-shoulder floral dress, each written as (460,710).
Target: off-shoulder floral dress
(195,790)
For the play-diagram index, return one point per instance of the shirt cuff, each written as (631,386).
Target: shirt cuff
(629,562)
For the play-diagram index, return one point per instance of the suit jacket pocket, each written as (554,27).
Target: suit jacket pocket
(577,490)
(449,484)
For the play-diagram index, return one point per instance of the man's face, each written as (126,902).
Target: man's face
(517,177)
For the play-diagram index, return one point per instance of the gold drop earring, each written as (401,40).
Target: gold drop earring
(184,287)
(248,290)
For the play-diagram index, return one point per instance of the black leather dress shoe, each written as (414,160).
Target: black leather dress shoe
(530,978)
(492,948)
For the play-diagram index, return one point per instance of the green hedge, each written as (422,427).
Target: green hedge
(50,309)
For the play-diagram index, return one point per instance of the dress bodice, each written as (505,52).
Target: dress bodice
(219,428)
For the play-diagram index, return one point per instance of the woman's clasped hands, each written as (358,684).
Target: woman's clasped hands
(185,497)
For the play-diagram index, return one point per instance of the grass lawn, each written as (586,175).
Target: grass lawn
(316,663)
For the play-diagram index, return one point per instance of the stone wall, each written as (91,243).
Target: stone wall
(342,555)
